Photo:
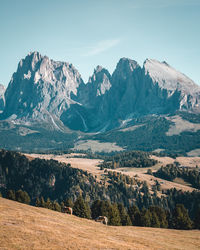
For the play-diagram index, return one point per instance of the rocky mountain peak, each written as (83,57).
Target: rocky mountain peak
(125,67)
(98,69)
(169,78)
(30,61)
(100,81)
(126,63)
(41,87)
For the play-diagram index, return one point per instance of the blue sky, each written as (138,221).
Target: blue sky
(88,33)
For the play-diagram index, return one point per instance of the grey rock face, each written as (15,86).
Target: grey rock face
(2,99)
(171,80)
(156,88)
(41,89)
(54,92)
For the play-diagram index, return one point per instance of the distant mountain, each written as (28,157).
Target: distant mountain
(2,99)
(47,94)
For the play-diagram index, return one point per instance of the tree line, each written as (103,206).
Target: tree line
(116,213)
(172,171)
(132,159)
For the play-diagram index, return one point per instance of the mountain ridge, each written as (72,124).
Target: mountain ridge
(49,94)
(131,89)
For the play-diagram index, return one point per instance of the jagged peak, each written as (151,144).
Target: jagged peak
(99,73)
(168,77)
(34,61)
(34,53)
(155,62)
(127,60)
(98,69)
(127,63)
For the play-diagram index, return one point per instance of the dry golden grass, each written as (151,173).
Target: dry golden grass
(27,227)
(91,166)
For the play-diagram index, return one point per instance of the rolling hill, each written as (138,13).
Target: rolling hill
(27,227)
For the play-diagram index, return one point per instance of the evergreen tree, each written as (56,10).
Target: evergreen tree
(81,208)
(23,197)
(135,216)
(124,217)
(62,205)
(42,202)
(154,220)
(69,203)
(114,216)
(11,195)
(49,204)
(180,218)
(197,218)
(161,217)
(56,206)
(96,209)
(37,202)
(145,218)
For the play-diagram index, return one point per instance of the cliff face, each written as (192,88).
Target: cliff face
(2,99)
(41,88)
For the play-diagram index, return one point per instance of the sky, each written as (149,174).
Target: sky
(88,33)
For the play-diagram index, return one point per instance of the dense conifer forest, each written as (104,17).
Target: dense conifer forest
(172,171)
(134,159)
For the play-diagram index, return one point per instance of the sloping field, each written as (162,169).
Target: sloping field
(27,227)
(91,165)
(180,125)
(96,146)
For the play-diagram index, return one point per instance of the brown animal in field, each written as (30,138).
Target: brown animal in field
(102,219)
(67,210)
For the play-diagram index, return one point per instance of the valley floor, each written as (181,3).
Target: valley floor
(27,227)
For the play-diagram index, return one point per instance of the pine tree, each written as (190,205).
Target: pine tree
(114,216)
(161,216)
(11,195)
(96,209)
(135,216)
(145,218)
(56,206)
(62,205)
(81,208)
(37,202)
(154,220)
(42,202)
(69,203)
(49,204)
(23,197)
(180,218)
(197,218)
(124,217)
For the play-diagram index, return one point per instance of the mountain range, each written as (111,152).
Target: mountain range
(51,94)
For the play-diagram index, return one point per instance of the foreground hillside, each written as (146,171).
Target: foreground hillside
(27,227)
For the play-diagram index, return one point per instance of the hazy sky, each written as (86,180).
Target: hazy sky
(88,33)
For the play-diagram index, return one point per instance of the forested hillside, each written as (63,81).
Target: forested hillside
(49,183)
(136,159)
